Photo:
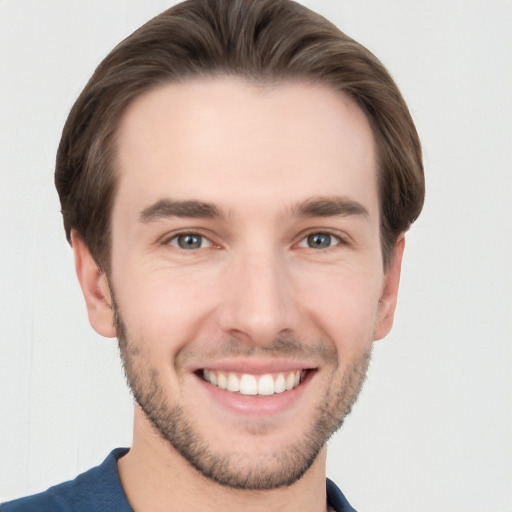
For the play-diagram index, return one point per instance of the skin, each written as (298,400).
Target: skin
(275,164)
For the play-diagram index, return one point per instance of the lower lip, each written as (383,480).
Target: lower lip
(255,405)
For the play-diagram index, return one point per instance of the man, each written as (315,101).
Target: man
(236,180)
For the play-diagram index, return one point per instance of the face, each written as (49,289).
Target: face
(246,271)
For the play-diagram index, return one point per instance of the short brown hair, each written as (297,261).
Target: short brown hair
(261,40)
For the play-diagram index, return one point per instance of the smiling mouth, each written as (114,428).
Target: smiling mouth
(249,384)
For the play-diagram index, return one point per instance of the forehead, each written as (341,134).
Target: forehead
(233,143)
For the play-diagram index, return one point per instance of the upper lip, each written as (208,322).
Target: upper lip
(254,366)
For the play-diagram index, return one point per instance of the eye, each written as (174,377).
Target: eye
(320,241)
(189,241)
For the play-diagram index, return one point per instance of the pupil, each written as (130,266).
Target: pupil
(319,240)
(189,241)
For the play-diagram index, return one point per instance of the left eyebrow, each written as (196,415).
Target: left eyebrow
(329,207)
(166,208)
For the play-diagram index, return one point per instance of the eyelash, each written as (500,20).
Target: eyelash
(303,243)
(336,238)
(191,235)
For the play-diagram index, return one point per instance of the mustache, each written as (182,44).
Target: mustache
(281,346)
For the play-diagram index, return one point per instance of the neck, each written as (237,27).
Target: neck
(157,478)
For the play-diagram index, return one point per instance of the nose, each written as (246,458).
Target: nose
(258,299)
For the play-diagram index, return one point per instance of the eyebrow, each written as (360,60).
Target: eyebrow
(313,207)
(329,207)
(166,208)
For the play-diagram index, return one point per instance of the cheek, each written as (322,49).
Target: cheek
(164,307)
(344,306)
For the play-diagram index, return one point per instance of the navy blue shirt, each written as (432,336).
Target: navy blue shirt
(100,490)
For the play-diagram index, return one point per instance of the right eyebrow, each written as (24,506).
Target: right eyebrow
(165,208)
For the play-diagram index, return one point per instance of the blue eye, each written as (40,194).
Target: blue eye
(189,241)
(319,241)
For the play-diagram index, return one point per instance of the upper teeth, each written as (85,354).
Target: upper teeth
(248,384)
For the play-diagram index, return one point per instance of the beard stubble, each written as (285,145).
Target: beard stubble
(234,470)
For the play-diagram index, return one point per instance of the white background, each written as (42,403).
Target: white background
(433,427)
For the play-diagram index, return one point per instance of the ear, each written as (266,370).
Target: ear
(95,288)
(387,302)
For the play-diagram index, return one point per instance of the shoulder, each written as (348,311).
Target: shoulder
(98,490)
(336,499)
